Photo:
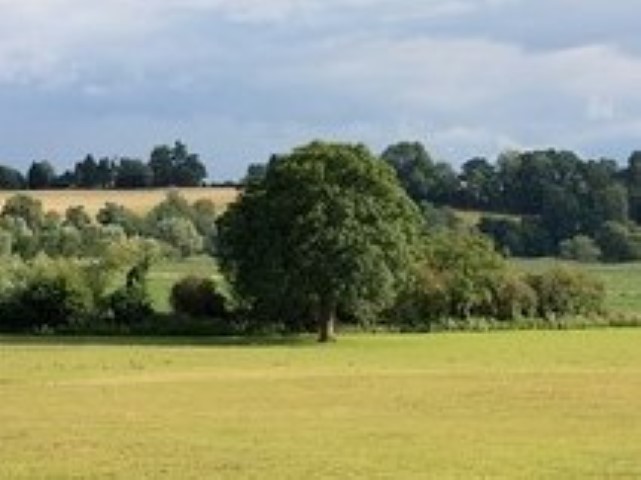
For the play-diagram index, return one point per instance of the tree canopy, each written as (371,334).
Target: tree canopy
(328,230)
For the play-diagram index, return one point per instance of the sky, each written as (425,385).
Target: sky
(238,80)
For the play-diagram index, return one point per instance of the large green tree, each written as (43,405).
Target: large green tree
(327,230)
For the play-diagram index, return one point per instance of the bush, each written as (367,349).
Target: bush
(130,305)
(619,242)
(198,297)
(25,207)
(114,214)
(181,234)
(423,303)
(562,292)
(513,299)
(6,243)
(47,293)
(580,248)
(456,280)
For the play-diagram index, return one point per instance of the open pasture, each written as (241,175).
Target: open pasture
(140,201)
(507,405)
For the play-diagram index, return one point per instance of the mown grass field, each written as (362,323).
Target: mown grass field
(140,201)
(504,405)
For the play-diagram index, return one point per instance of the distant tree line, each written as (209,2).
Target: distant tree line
(327,236)
(537,203)
(532,204)
(167,166)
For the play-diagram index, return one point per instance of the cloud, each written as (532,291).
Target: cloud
(249,77)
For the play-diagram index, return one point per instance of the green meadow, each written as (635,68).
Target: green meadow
(503,405)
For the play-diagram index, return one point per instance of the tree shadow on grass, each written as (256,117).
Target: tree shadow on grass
(159,341)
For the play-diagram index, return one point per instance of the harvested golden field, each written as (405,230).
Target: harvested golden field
(139,201)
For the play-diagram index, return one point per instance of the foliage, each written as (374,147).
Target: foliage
(513,298)
(114,214)
(175,166)
(255,173)
(462,277)
(480,188)
(198,297)
(327,230)
(619,242)
(46,293)
(580,248)
(11,179)
(25,207)
(130,305)
(190,228)
(204,217)
(77,217)
(41,175)
(181,234)
(525,237)
(422,178)
(440,218)
(133,173)
(6,243)
(86,173)
(557,194)
(457,278)
(561,291)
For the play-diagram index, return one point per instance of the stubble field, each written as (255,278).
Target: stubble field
(140,201)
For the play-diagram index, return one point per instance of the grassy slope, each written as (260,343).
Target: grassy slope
(512,405)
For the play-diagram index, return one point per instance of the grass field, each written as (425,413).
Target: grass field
(139,201)
(510,405)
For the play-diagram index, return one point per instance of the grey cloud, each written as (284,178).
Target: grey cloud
(240,79)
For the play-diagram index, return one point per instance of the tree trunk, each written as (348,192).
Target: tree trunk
(326,321)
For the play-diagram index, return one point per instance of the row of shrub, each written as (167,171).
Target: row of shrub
(182,228)
(110,296)
(59,295)
(76,294)
(463,278)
